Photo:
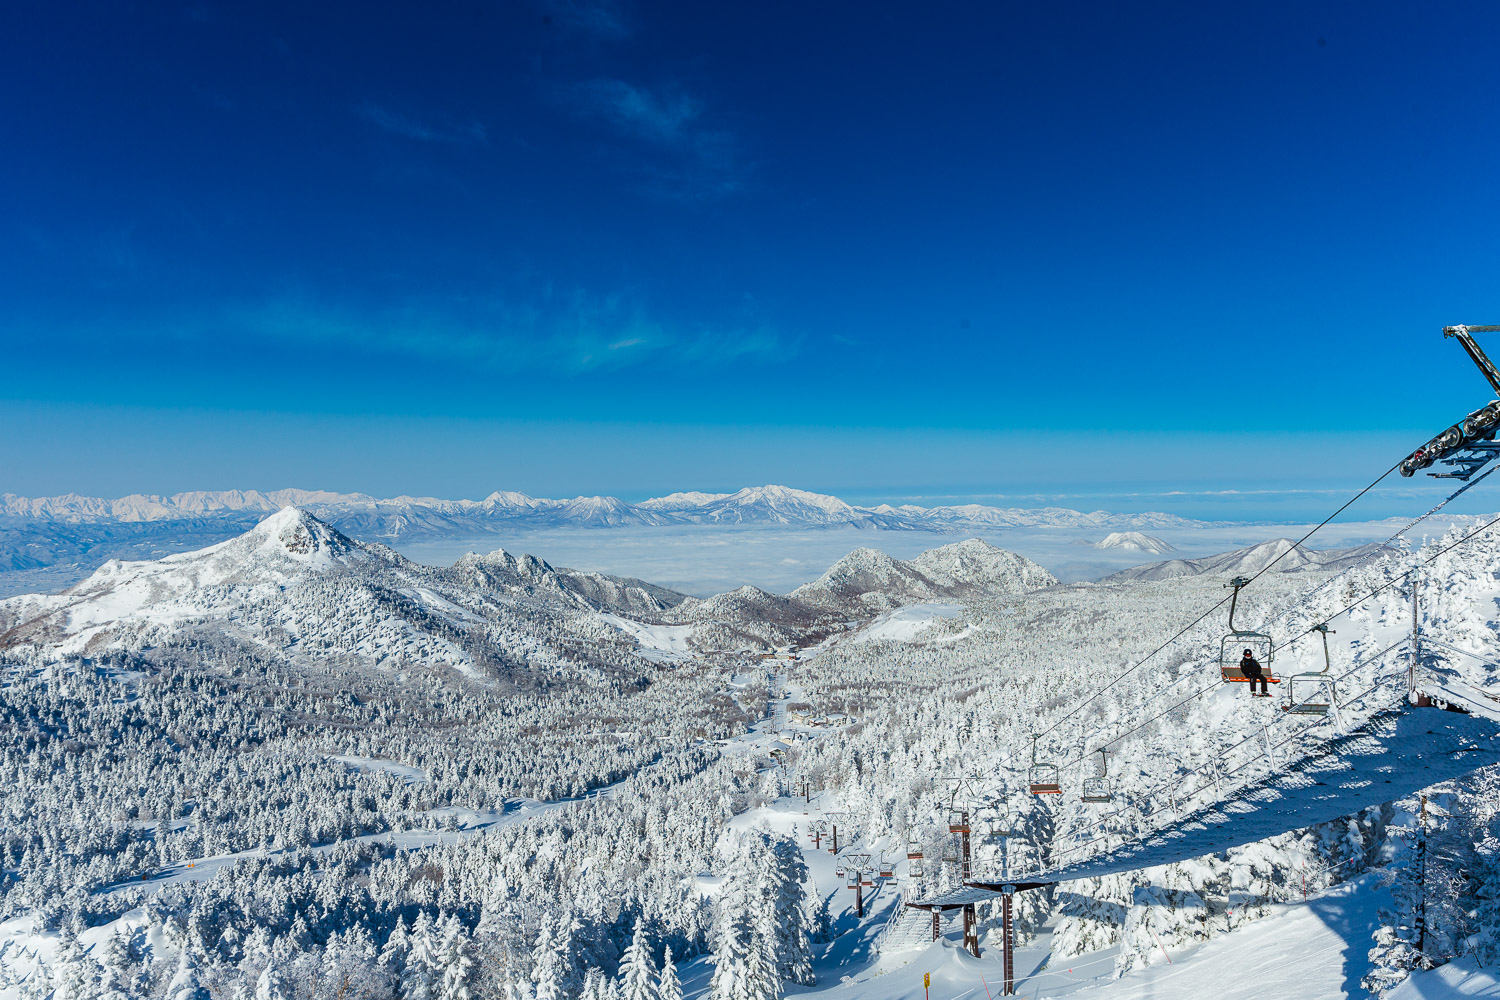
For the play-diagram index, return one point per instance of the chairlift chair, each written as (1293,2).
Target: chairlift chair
(1312,693)
(958,821)
(1233,645)
(887,868)
(1042,778)
(996,821)
(1096,789)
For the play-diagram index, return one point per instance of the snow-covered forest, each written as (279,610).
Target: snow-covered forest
(295,765)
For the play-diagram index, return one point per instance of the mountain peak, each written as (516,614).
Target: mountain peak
(301,535)
(1134,541)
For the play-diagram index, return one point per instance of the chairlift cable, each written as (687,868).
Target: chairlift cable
(1386,586)
(1176,779)
(1141,662)
(1277,720)
(1297,603)
(1396,579)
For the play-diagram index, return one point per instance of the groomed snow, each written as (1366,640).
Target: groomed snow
(658,642)
(907,624)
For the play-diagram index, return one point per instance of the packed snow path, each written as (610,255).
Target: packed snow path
(1392,756)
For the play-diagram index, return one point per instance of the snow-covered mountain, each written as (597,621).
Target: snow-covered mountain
(295,586)
(52,542)
(407,515)
(1134,541)
(869,581)
(533,577)
(1249,561)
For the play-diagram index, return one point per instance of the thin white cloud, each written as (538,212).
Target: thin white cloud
(574,334)
(407,127)
(603,19)
(682,157)
(662,116)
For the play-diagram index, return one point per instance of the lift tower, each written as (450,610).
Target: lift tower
(1470,444)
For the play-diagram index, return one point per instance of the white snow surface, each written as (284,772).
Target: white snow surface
(1134,541)
(907,624)
(659,642)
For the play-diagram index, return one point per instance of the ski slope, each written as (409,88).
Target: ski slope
(1309,951)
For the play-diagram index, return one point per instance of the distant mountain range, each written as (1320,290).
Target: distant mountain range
(1292,558)
(405,516)
(298,586)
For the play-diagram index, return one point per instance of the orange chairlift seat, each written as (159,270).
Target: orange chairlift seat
(914,859)
(1232,648)
(1042,778)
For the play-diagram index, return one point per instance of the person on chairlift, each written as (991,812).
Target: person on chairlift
(1250,667)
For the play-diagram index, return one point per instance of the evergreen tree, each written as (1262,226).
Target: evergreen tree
(548,966)
(457,961)
(636,972)
(421,975)
(668,986)
(785,918)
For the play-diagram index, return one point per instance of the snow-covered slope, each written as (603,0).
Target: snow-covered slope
(526,574)
(1249,561)
(1134,541)
(295,586)
(868,580)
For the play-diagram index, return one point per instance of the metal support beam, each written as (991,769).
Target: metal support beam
(1007,938)
(937,923)
(971,930)
(1476,354)
(967,858)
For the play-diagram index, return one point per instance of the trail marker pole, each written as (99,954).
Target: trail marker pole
(927,985)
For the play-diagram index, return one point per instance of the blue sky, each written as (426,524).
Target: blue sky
(587,247)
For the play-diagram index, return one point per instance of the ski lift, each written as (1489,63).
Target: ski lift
(853,882)
(1316,690)
(1043,778)
(1257,644)
(996,820)
(867,878)
(1096,789)
(887,868)
(1470,444)
(958,820)
(914,860)
(840,872)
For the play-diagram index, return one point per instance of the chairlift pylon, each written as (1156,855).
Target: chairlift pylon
(1470,444)
(1096,789)
(1238,641)
(1316,689)
(1042,779)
